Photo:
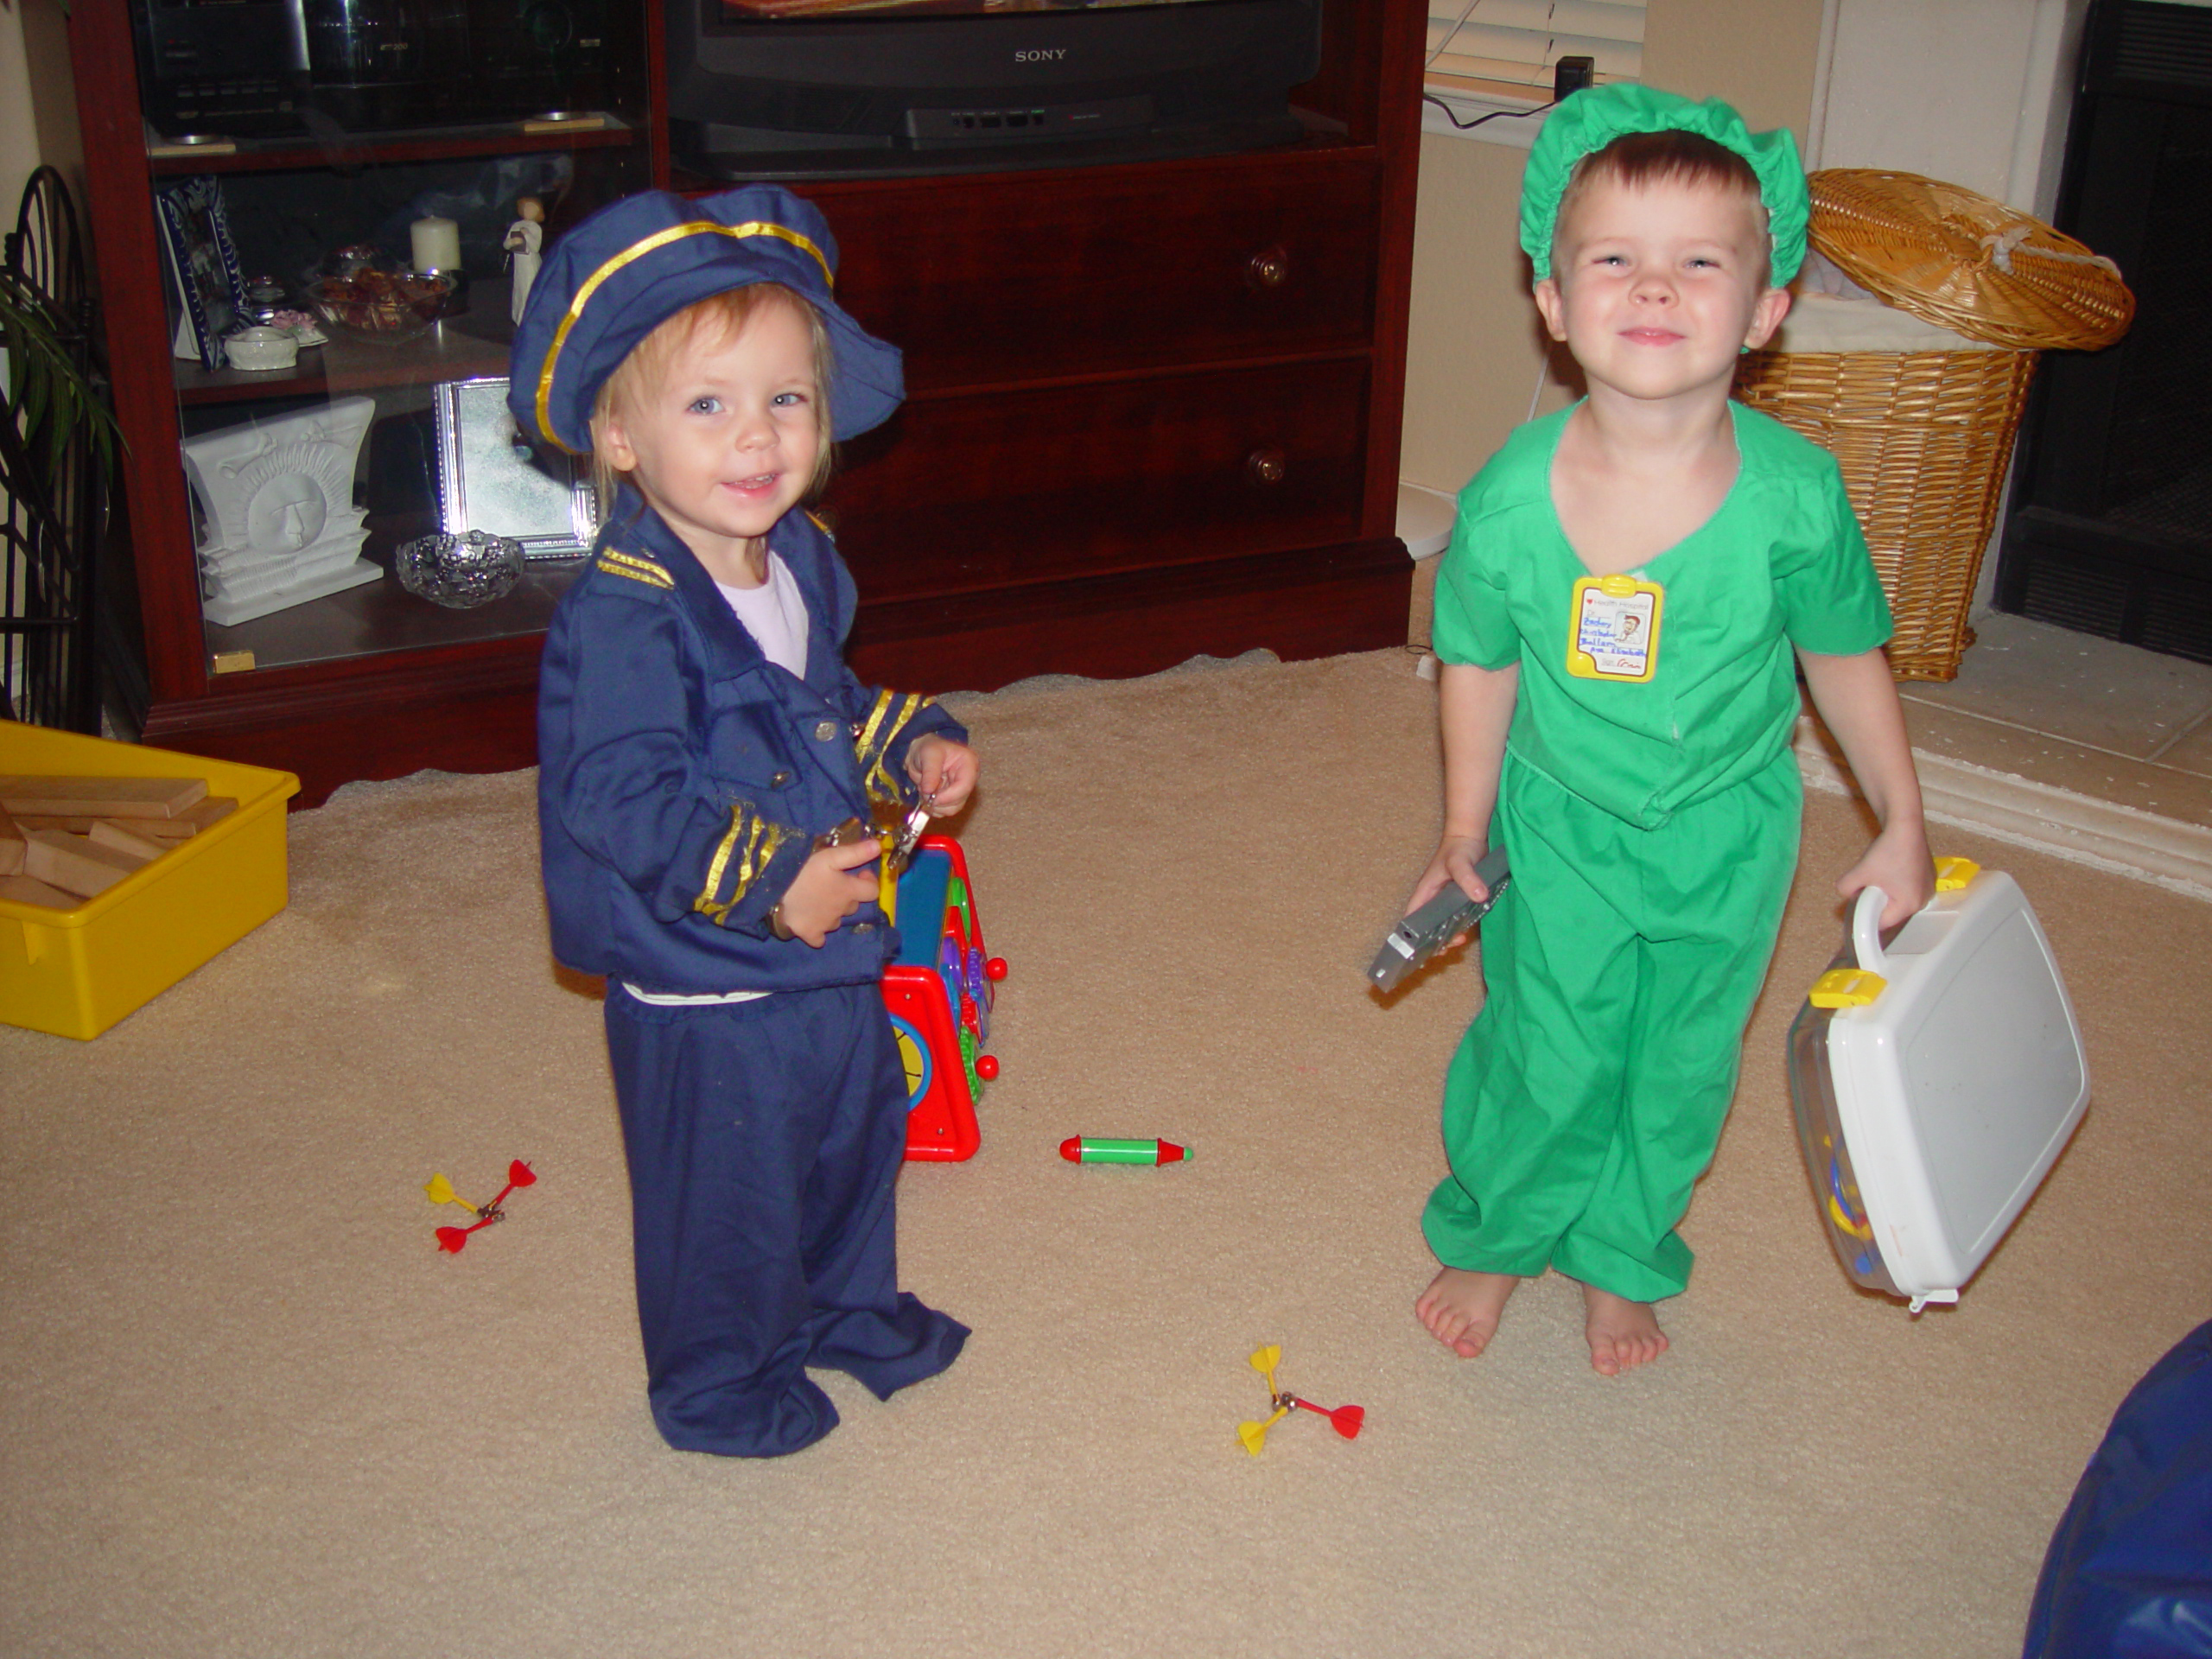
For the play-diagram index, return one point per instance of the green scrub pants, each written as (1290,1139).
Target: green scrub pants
(1622,963)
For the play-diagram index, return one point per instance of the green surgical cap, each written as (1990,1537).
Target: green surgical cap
(1587,121)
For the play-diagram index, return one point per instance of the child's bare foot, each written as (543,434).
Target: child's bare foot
(1622,1334)
(1461,1308)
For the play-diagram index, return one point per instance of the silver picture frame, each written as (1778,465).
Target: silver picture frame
(490,479)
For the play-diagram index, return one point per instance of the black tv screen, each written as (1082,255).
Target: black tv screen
(813,88)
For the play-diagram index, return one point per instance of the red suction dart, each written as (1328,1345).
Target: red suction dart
(450,1239)
(518,1174)
(1346,1420)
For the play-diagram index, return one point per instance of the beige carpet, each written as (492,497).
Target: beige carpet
(249,1409)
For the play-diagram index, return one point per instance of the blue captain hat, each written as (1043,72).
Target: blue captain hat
(621,273)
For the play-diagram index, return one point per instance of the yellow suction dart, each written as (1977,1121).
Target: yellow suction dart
(441,1192)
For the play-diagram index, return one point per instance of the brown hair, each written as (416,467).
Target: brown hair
(1639,160)
(707,324)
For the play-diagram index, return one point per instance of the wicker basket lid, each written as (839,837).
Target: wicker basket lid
(1968,263)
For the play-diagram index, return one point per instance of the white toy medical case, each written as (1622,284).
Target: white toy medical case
(1935,1082)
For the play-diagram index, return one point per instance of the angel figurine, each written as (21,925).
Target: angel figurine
(524,238)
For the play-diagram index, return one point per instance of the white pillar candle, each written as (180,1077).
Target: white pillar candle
(437,244)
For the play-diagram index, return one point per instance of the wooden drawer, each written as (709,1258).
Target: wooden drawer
(1034,278)
(966,493)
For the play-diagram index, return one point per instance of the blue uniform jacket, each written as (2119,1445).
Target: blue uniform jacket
(682,777)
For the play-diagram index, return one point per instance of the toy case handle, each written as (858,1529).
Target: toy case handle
(1867,931)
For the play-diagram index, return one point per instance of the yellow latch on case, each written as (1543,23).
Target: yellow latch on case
(1847,988)
(1953,873)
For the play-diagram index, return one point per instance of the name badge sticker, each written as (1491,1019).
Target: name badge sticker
(1613,632)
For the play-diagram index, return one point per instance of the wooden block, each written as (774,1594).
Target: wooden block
(183,827)
(203,814)
(11,845)
(106,832)
(168,831)
(101,798)
(28,890)
(73,863)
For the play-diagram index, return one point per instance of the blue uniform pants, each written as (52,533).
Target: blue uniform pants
(763,1140)
(1622,963)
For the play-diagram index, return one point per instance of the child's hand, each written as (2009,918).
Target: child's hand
(1454,861)
(833,883)
(943,771)
(1898,863)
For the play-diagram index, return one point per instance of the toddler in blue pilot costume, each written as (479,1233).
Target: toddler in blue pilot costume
(698,731)
(1617,616)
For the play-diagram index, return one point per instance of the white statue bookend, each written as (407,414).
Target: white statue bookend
(278,495)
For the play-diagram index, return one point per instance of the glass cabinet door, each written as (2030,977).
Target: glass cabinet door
(340,351)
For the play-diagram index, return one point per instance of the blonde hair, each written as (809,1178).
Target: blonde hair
(706,324)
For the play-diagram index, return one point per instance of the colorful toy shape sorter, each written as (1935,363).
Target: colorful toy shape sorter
(939,990)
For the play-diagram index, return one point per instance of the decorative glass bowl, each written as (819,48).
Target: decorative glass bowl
(384,307)
(459,572)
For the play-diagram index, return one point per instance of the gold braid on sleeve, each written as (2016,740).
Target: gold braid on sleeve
(871,743)
(750,844)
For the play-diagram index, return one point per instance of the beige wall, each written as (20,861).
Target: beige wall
(1974,92)
(18,128)
(1476,347)
(38,103)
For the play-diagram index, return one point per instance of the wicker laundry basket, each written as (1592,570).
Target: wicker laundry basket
(1923,437)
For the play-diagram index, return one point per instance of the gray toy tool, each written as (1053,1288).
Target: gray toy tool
(1420,935)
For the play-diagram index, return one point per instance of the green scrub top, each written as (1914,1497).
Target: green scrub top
(1780,564)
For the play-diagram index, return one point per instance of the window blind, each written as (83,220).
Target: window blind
(1516,42)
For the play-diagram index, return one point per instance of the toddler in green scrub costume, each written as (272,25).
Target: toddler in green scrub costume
(1617,616)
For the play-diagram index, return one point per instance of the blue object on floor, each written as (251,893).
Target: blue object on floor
(2129,1572)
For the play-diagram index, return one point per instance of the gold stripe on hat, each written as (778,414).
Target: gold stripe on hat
(637,250)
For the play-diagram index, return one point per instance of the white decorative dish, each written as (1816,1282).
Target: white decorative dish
(262,348)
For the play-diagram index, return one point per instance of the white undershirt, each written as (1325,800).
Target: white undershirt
(774,613)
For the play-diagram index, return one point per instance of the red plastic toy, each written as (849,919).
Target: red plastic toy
(939,992)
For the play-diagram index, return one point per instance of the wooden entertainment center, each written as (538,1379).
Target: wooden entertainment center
(1154,409)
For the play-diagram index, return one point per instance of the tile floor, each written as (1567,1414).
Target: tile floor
(2108,721)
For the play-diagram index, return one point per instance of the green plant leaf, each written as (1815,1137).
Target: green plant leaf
(50,399)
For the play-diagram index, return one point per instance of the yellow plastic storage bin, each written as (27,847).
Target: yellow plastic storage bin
(76,972)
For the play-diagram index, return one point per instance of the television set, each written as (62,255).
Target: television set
(776,89)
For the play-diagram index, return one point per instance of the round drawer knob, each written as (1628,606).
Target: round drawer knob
(1266,465)
(1270,268)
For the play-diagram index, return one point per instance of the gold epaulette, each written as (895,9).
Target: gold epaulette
(616,563)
